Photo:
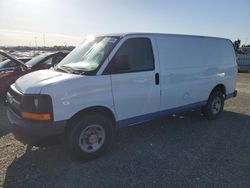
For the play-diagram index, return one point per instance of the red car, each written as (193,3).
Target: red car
(43,61)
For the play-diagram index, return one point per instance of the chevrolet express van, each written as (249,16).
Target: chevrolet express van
(115,81)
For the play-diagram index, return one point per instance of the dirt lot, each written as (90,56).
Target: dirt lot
(181,151)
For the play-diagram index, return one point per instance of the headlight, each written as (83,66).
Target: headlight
(37,107)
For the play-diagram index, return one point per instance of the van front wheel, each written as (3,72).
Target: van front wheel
(90,137)
(214,106)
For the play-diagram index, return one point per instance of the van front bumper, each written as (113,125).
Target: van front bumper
(35,133)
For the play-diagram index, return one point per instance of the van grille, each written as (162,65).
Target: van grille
(15,94)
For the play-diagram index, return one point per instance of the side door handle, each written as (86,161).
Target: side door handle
(157,79)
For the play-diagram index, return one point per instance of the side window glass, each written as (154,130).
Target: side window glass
(47,63)
(133,56)
(12,64)
(58,59)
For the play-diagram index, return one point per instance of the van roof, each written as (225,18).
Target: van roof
(165,34)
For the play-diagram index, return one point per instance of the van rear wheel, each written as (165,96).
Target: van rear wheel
(214,105)
(90,137)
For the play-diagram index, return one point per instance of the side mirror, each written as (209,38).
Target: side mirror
(121,63)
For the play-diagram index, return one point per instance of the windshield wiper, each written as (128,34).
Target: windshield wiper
(72,70)
(61,69)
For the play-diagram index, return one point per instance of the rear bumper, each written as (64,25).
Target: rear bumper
(35,132)
(230,95)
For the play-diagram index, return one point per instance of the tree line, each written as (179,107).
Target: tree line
(237,45)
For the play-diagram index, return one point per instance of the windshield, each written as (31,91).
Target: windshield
(35,60)
(89,55)
(3,63)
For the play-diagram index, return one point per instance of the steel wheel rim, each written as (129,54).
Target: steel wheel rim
(216,105)
(92,138)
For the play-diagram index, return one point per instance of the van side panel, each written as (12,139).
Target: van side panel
(190,67)
(78,94)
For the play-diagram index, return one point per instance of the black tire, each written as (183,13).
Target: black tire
(2,98)
(210,111)
(74,140)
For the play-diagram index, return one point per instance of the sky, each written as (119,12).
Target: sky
(67,22)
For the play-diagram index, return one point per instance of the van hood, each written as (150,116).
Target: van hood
(33,82)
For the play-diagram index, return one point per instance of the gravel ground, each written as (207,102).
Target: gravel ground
(181,151)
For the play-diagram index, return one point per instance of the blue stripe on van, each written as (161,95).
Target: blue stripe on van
(156,115)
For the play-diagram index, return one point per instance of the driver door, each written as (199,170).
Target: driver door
(136,92)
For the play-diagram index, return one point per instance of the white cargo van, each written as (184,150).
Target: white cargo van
(114,81)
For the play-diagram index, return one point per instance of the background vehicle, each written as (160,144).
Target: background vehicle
(243,61)
(8,64)
(43,61)
(115,81)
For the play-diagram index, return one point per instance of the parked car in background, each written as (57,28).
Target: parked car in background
(9,64)
(243,61)
(43,61)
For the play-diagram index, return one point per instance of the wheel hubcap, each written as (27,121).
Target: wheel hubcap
(216,105)
(92,138)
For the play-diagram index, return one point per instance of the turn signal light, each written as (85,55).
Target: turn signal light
(32,116)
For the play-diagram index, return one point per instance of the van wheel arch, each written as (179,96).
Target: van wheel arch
(89,133)
(215,102)
(91,110)
(219,87)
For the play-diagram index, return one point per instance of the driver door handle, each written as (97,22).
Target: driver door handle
(157,79)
